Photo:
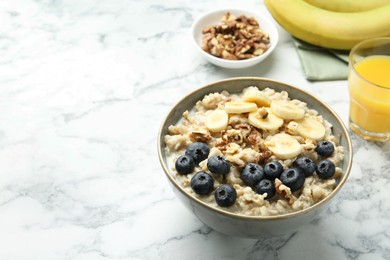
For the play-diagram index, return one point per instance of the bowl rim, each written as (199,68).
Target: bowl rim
(254,218)
(273,44)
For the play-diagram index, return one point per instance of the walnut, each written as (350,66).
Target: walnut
(264,156)
(227,55)
(200,136)
(284,191)
(221,145)
(235,38)
(263,113)
(232,136)
(244,128)
(258,52)
(255,140)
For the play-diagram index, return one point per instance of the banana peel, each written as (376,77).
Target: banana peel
(329,29)
(348,5)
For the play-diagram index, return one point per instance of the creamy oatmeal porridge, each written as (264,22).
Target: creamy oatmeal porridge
(256,153)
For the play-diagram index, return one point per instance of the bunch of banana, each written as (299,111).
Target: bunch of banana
(269,115)
(332,23)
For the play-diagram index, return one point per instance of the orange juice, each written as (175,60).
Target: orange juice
(369,87)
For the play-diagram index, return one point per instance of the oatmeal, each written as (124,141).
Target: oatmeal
(256,153)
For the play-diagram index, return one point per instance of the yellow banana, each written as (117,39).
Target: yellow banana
(348,5)
(336,30)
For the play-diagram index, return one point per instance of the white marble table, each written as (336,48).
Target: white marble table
(84,86)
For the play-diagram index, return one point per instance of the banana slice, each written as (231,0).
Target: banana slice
(311,128)
(263,121)
(216,120)
(287,110)
(284,146)
(254,95)
(239,107)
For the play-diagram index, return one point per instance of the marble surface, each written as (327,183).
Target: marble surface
(84,86)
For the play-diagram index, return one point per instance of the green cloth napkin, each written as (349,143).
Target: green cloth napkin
(320,64)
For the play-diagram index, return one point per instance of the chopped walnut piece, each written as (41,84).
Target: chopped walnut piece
(235,38)
(227,55)
(263,113)
(284,191)
(255,140)
(264,156)
(221,145)
(200,136)
(258,52)
(232,136)
(244,128)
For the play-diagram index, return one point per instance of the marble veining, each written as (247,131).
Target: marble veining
(85,86)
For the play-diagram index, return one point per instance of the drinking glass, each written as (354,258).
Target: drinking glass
(369,89)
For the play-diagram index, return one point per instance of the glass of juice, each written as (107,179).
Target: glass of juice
(369,89)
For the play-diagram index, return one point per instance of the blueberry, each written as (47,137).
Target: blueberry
(305,165)
(266,186)
(293,178)
(202,183)
(324,148)
(252,174)
(225,195)
(273,170)
(325,169)
(218,164)
(184,164)
(198,151)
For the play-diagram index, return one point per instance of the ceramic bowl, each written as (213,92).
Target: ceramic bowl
(214,18)
(253,226)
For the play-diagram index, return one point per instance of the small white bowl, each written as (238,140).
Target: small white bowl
(214,18)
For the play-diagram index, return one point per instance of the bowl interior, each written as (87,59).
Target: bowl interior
(214,18)
(236,85)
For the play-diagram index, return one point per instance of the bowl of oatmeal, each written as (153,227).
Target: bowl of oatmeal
(254,157)
(234,38)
